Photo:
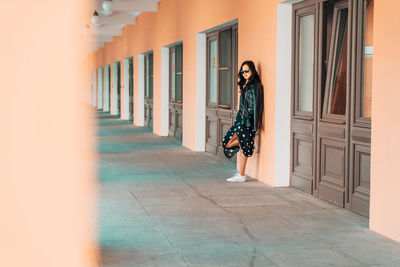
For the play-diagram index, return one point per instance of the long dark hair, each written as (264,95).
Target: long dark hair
(254,78)
(254,75)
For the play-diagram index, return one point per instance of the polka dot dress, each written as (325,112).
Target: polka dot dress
(246,139)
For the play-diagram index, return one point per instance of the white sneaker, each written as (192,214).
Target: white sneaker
(237,178)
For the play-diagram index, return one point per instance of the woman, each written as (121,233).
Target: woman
(240,136)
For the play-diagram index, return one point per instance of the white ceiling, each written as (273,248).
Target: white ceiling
(112,17)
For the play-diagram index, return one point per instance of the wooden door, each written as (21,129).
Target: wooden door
(119,88)
(130,71)
(361,98)
(304,100)
(328,160)
(175,91)
(332,148)
(222,89)
(109,86)
(148,99)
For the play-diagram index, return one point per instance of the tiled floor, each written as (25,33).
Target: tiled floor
(163,205)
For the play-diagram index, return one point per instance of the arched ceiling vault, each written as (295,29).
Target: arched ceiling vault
(110,16)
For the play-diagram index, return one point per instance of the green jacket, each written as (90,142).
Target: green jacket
(248,105)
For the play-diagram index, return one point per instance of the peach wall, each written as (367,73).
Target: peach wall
(385,175)
(180,20)
(257,41)
(47,146)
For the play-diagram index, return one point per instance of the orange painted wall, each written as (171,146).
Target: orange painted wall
(385,177)
(181,20)
(47,164)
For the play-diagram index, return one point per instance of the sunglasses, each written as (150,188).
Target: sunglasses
(244,71)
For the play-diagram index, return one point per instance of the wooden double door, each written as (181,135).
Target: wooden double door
(175,91)
(331,101)
(222,88)
(130,73)
(118,66)
(108,85)
(148,84)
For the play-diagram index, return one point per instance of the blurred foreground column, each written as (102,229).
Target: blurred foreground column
(47,150)
(385,149)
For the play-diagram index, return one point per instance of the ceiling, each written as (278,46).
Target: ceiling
(110,16)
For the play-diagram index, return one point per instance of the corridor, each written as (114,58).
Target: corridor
(161,204)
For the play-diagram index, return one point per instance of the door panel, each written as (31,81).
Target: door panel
(221,97)
(178,121)
(332,156)
(148,112)
(175,120)
(303,162)
(362,169)
(301,126)
(330,130)
(211,133)
(360,131)
(303,100)
(332,194)
(362,135)
(333,171)
(361,179)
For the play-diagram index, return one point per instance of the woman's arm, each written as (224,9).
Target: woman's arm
(259,105)
(249,107)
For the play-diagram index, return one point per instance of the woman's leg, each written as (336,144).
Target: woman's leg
(234,141)
(242,163)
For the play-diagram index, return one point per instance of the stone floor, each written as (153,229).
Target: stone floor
(161,204)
